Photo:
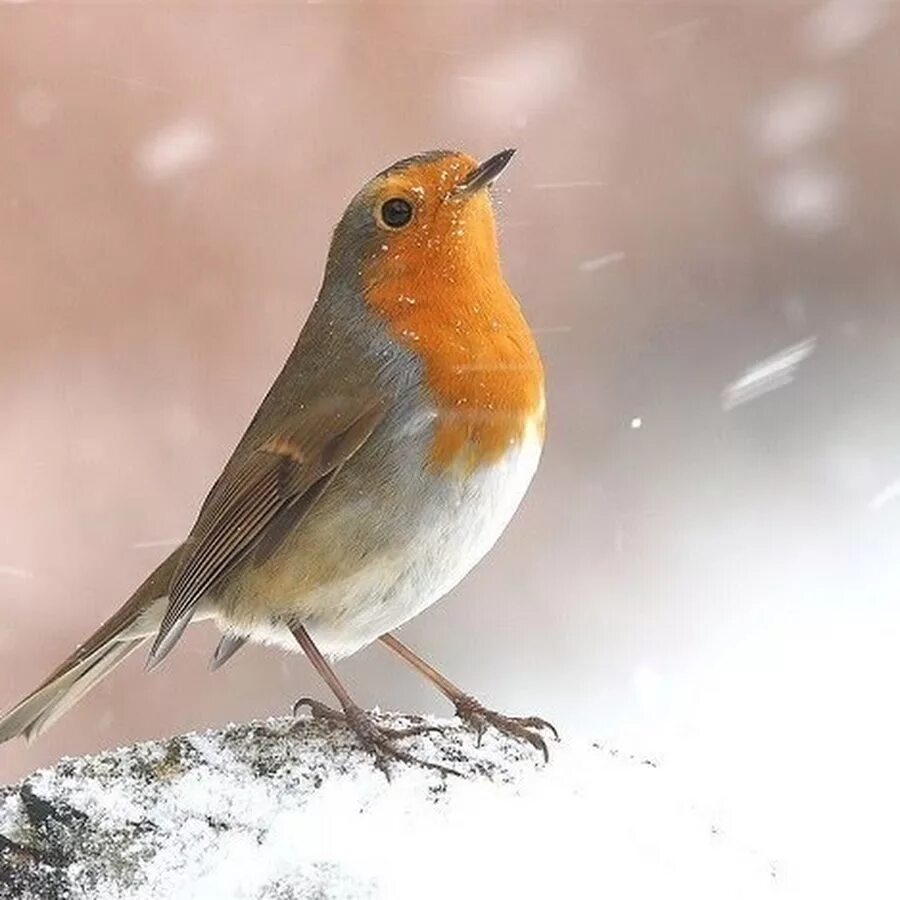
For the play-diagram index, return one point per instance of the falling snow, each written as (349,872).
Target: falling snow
(601,262)
(838,27)
(767,375)
(886,495)
(176,148)
(797,115)
(806,198)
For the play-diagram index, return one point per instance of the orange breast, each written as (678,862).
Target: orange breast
(445,298)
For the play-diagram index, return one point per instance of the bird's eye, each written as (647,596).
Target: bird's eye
(396,212)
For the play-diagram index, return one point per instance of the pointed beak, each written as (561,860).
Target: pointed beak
(486,174)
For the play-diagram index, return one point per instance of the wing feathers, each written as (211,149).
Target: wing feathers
(288,519)
(253,507)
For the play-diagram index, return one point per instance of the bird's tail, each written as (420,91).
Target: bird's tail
(91,662)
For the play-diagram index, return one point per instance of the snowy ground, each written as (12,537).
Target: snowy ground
(258,811)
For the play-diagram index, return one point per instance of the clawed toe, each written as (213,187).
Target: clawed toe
(380,740)
(521,727)
(317,709)
(377,739)
(536,722)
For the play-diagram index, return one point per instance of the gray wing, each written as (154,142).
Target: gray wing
(261,498)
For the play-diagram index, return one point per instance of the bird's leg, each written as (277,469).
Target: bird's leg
(376,739)
(469,709)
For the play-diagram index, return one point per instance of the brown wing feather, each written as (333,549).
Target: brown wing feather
(260,499)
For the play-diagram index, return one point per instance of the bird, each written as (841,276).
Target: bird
(384,462)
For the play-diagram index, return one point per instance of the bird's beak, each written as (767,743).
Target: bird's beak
(486,174)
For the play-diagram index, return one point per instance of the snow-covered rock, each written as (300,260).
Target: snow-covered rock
(283,810)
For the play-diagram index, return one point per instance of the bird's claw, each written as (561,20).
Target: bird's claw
(521,727)
(378,740)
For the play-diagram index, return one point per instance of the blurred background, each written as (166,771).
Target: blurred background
(702,223)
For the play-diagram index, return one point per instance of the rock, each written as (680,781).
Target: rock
(279,810)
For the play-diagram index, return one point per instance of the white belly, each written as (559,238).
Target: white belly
(345,615)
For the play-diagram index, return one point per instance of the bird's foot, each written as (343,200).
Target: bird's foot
(378,740)
(523,728)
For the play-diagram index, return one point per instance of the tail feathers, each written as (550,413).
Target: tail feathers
(124,632)
(37,712)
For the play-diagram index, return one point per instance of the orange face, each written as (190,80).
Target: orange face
(444,230)
(435,276)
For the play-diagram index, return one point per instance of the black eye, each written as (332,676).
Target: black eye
(396,212)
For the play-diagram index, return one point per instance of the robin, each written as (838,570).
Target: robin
(384,462)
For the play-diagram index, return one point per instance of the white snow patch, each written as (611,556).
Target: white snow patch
(259,813)
(648,685)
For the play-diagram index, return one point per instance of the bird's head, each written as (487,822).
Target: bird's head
(425,218)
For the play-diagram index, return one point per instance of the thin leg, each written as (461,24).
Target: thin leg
(377,739)
(320,664)
(443,684)
(469,709)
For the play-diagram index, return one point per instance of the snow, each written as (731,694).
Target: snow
(600,262)
(176,148)
(522,79)
(840,26)
(568,185)
(768,374)
(886,495)
(797,115)
(259,811)
(807,198)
